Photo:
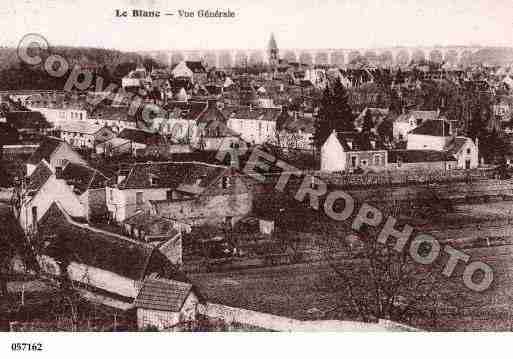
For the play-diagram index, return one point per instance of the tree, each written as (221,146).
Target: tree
(380,282)
(368,123)
(334,112)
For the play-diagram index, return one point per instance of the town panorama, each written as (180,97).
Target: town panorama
(256,190)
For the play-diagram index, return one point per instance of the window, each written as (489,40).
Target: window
(111,193)
(138,199)
(353,161)
(169,195)
(364,162)
(468,151)
(377,160)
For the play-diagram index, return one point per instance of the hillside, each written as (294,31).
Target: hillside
(112,65)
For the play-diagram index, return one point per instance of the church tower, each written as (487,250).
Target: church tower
(272,50)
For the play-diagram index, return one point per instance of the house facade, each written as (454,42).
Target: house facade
(42,189)
(138,187)
(347,152)
(255,125)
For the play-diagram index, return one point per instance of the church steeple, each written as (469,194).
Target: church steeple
(272,49)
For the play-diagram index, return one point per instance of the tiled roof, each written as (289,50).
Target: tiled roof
(83,177)
(196,66)
(245,112)
(162,294)
(45,150)
(359,141)
(152,224)
(418,114)
(301,123)
(433,128)
(456,144)
(27,119)
(111,113)
(416,156)
(185,110)
(139,136)
(175,175)
(79,242)
(39,177)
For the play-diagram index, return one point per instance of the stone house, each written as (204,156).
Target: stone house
(348,151)
(55,152)
(225,200)
(135,188)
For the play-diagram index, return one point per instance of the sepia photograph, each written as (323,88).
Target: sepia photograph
(305,166)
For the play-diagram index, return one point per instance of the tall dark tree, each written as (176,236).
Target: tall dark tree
(334,112)
(368,123)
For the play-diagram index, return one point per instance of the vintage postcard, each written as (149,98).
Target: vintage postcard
(240,166)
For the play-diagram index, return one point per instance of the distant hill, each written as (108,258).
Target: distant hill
(112,65)
(496,56)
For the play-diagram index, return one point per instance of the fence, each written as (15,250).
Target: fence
(392,178)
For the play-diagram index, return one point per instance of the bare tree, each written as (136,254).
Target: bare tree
(378,282)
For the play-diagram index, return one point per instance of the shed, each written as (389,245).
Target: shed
(165,303)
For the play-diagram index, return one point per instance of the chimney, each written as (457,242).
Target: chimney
(373,144)
(349,144)
(58,172)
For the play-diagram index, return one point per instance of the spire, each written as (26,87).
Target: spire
(272,43)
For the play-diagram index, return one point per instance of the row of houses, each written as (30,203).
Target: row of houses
(431,145)
(133,259)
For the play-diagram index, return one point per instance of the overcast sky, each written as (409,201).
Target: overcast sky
(296,23)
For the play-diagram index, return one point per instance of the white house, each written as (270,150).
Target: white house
(347,151)
(42,189)
(465,151)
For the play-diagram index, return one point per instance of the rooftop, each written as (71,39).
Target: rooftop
(162,294)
